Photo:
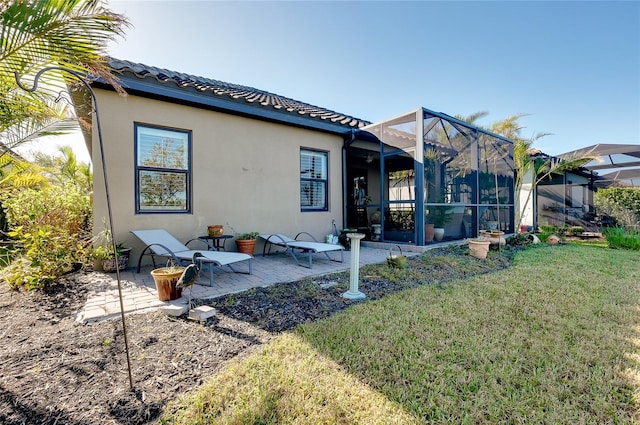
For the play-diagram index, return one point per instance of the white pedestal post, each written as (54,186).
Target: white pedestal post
(353,293)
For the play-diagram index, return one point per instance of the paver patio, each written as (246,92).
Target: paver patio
(139,293)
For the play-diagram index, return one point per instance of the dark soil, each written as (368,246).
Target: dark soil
(54,370)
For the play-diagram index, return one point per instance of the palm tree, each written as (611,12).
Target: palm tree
(39,33)
(536,167)
(63,167)
(539,168)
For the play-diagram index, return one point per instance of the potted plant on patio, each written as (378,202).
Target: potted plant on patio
(103,252)
(246,242)
(215,230)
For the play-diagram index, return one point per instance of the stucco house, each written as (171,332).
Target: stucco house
(184,152)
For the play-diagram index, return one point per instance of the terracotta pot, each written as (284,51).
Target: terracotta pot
(496,238)
(246,246)
(166,279)
(215,230)
(428,232)
(479,248)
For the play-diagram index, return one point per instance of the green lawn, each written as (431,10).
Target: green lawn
(553,339)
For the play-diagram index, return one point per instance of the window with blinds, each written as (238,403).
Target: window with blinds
(313,180)
(163,170)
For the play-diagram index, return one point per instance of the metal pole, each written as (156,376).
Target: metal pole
(106,187)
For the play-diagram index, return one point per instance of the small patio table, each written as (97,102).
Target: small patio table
(215,243)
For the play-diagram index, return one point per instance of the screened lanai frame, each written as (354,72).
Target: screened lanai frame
(440,170)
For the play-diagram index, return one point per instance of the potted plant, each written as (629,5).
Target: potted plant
(215,230)
(376,217)
(103,252)
(376,228)
(429,232)
(246,242)
(440,216)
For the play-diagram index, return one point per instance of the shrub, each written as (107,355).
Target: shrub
(619,237)
(51,230)
(548,230)
(621,203)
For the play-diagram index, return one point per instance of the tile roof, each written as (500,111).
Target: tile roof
(236,92)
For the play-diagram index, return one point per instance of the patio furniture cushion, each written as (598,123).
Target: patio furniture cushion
(160,243)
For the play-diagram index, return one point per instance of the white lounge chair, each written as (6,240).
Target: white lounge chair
(160,243)
(295,245)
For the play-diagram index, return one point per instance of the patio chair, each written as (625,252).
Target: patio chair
(160,243)
(301,246)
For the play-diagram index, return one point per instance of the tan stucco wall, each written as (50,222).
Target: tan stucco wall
(246,172)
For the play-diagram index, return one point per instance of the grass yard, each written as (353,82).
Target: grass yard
(553,339)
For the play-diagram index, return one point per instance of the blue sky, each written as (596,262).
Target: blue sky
(573,67)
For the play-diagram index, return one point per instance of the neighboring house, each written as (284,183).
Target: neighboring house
(184,152)
(564,199)
(567,198)
(616,164)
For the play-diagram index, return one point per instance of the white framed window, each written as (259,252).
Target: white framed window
(314,181)
(162,169)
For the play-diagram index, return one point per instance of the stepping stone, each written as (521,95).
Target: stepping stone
(174,310)
(201,313)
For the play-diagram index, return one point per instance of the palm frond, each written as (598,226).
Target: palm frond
(23,180)
(32,129)
(17,173)
(68,33)
(471,119)
(16,105)
(509,127)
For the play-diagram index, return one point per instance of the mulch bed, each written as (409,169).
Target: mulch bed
(58,371)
